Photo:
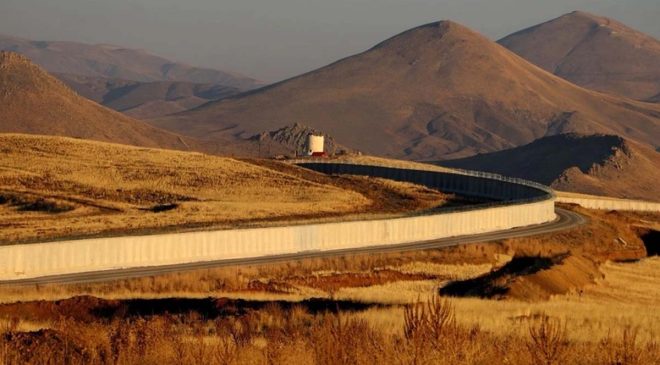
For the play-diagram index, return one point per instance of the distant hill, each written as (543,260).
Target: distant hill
(32,101)
(592,164)
(145,100)
(108,61)
(292,140)
(594,52)
(57,187)
(437,91)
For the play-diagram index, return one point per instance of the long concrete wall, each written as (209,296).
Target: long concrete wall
(530,206)
(604,203)
(470,183)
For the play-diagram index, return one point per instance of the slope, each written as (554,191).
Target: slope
(62,187)
(32,101)
(291,140)
(109,61)
(146,99)
(592,164)
(436,91)
(594,52)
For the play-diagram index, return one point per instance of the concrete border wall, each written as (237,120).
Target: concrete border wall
(609,203)
(530,205)
(471,183)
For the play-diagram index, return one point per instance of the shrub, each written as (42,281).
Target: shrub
(547,343)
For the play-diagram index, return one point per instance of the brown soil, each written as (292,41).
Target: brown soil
(529,278)
(44,345)
(89,309)
(336,281)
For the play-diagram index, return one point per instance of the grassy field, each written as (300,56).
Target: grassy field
(585,328)
(593,305)
(52,187)
(390,162)
(587,295)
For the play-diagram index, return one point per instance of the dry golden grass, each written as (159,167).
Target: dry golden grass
(599,240)
(54,187)
(390,162)
(612,321)
(86,330)
(637,282)
(627,297)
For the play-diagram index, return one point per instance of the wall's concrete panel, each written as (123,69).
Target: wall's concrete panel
(529,206)
(610,204)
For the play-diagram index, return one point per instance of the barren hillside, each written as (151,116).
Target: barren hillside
(436,91)
(594,52)
(591,164)
(145,100)
(292,140)
(62,187)
(102,60)
(32,101)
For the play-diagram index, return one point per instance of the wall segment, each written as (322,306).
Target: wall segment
(518,204)
(607,203)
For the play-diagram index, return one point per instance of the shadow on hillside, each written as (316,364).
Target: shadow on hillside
(496,283)
(651,239)
(87,308)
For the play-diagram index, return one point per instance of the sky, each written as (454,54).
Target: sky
(275,39)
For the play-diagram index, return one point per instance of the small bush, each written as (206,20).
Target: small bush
(547,343)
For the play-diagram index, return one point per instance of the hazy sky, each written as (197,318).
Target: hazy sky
(276,39)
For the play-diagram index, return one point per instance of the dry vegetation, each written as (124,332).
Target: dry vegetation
(389,162)
(231,333)
(54,187)
(358,309)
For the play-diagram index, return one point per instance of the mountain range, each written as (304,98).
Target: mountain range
(591,164)
(438,91)
(595,52)
(32,101)
(145,100)
(134,82)
(108,61)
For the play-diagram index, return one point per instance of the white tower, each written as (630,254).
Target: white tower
(314,144)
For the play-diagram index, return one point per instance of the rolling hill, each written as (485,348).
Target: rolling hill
(61,187)
(594,52)
(145,100)
(291,140)
(109,61)
(32,101)
(437,91)
(591,164)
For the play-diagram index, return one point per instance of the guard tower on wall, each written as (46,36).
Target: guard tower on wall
(315,145)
